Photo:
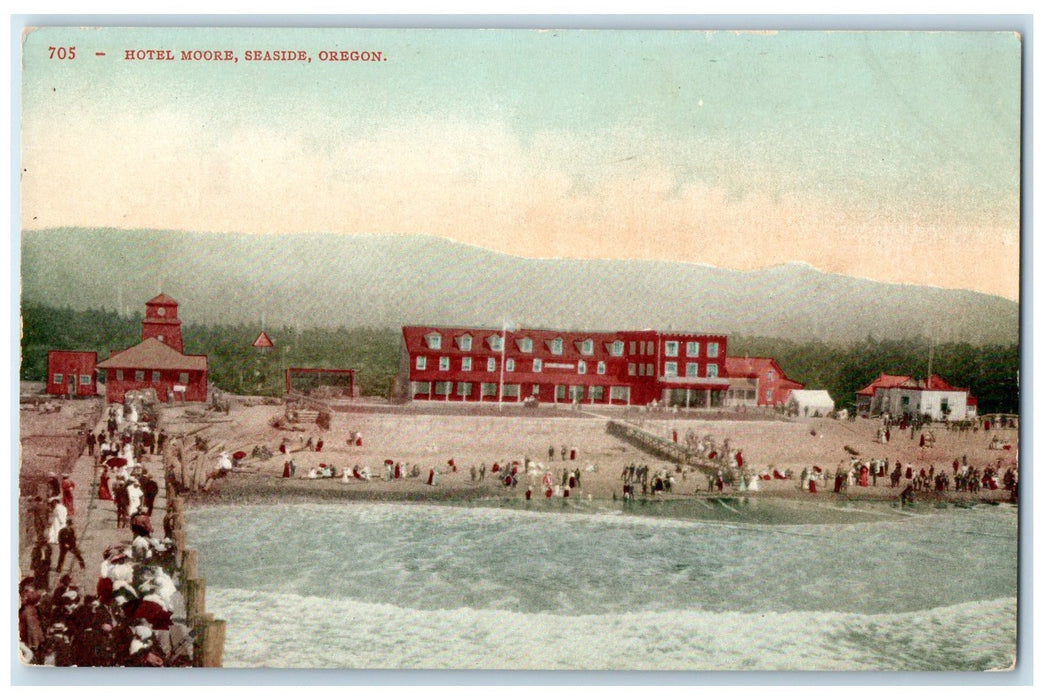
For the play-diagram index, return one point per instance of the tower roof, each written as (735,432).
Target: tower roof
(161,298)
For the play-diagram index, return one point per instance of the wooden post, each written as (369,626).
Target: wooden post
(195,600)
(188,564)
(212,642)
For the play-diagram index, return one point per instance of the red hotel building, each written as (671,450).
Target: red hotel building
(618,367)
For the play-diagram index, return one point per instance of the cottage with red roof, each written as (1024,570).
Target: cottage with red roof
(757,381)
(157,362)
(899,395)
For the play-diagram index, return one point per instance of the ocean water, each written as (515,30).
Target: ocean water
(729,584)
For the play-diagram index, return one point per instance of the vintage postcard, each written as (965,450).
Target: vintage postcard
(518,349)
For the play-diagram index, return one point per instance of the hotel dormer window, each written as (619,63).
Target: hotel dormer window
(525,344)
(434,341)
(555,346)
(464,342)
(585,347)
(496,343)
(615,348)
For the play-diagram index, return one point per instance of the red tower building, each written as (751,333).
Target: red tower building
(161,322)
(157,362)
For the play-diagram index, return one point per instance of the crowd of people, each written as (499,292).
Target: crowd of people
(128,618)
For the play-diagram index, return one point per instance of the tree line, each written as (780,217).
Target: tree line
(990,372)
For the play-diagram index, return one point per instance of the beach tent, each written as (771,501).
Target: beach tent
(815,400)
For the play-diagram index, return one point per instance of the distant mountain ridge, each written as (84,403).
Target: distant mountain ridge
(393,280)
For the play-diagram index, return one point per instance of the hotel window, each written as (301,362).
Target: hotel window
(491,364)
(601,368)
(525,344)
(712,350)
(183,378)
(649,370)
(560,392)
(632,348)
(536,390)
(556,346)
(509,365)
(155,375)
(139,375)
(650,348)
(465,343)
(443,388)
(434,341)
(595,393)
(489,389)
(768,395)
(670,369)
(463,388)
(496,343)
(581,367)
(58,377)
(421,388)
(422,362)
(443,364)
(630,369)
(692,348)
(512,390)
(670,348)
(692,369)
(119,375)
(770,375)
(576,392)
(85,379)
(641,369)
(619,393)
(616,348)
(712,370)
(465,364)
(538,364)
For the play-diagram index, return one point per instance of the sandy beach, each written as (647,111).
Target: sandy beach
(455,439)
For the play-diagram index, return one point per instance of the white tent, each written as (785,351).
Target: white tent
(809,402)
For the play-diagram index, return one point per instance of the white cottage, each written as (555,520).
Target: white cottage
(900,395)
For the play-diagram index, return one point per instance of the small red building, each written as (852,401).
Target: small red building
(157,362)
(758,381)
(71,373)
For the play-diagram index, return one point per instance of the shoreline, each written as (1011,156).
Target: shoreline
(247,489)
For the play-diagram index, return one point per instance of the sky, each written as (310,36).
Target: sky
(893,156)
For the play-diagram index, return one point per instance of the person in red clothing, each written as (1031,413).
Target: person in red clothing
(104,494)
(67,494)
